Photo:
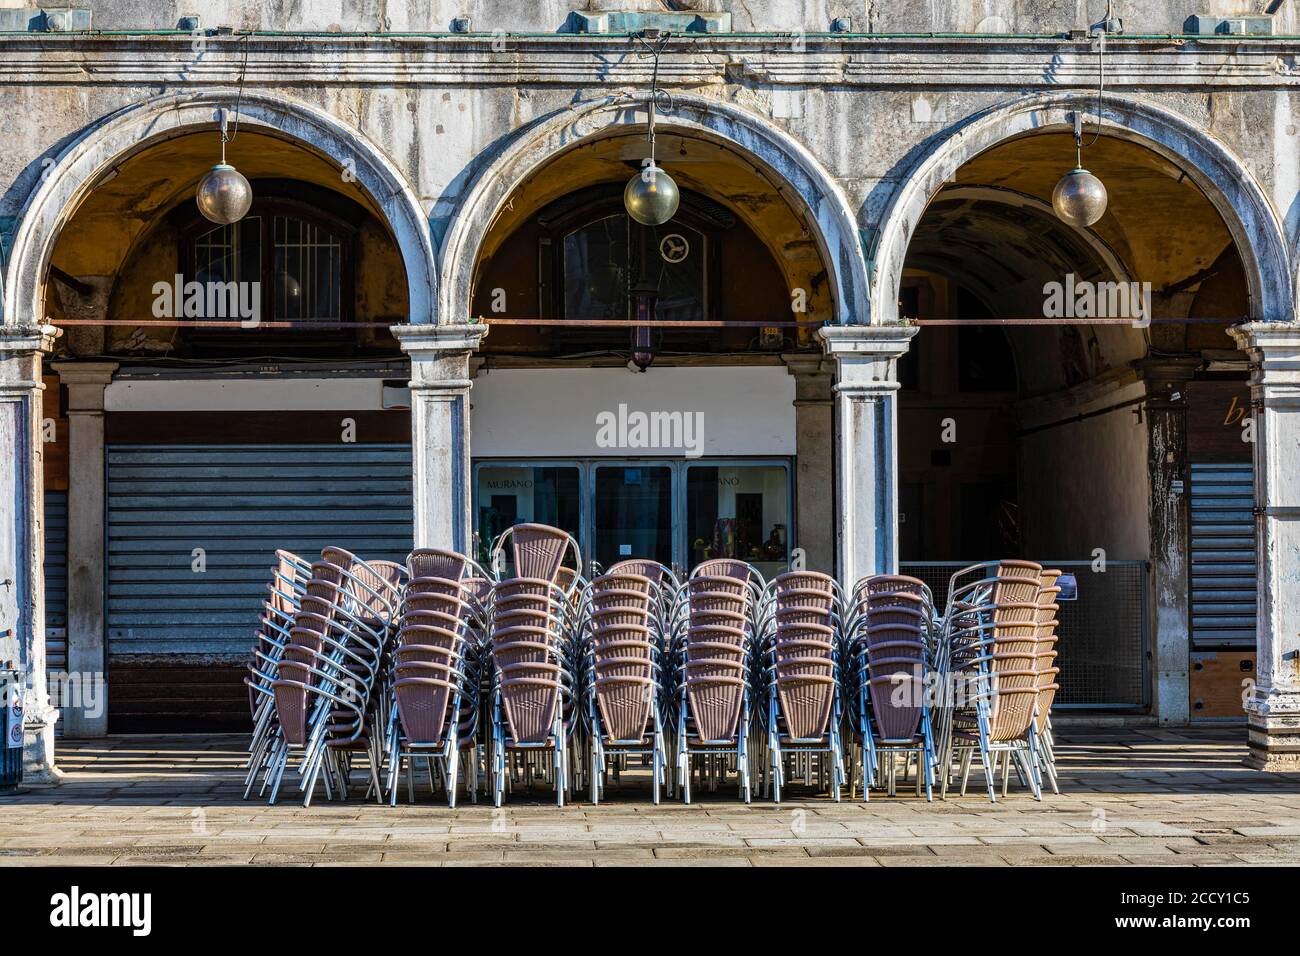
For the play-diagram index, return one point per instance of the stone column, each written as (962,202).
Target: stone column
(814,491)
(866,446)
(1273,710)
(22,538)
(85,713)
(1166,415)
(440,454)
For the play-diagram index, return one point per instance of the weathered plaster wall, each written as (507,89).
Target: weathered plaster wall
(1085,485)
(548,16)
(441,110)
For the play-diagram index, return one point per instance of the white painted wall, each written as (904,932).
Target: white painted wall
(525,413)
(1085,485)
(245,395)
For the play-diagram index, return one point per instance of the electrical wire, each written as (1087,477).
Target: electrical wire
(1101,87)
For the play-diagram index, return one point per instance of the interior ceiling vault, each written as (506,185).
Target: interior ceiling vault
(1158,221)
(146,185)
(703,166)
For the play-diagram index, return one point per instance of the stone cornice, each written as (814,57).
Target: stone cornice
(593,61)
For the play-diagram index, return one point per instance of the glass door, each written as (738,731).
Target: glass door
(508,493)
(675,512)
(632,512)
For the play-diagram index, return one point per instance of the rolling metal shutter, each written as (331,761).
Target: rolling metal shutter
(1223,555)
(56,580)
(238,503)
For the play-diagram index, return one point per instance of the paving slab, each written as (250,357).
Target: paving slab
(1134,796)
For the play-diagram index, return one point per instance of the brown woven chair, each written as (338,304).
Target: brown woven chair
(539,551)
(621,651)
(800,701)
(713,670)
(993,636)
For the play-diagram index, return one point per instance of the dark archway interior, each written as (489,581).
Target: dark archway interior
(562,249)
(994,459)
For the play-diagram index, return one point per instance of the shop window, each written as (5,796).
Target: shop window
(633,513)
(301,260)
(511,494)
(739,511)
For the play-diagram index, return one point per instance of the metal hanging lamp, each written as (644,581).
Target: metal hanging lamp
(651,196)
(1080,198)
(224,196)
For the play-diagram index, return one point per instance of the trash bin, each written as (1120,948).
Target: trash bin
(11,747)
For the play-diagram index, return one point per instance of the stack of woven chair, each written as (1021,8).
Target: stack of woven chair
(798,687)
(893,677)
(285,590)
(621,649)
(532,637)
(325,706)
(993,630)
(712,662)
(435,675)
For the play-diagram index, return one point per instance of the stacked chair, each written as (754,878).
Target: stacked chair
(622,647)
(892,638)
(1044,663)
(992,630)
(376,588)
(435,674)
(536,674)
(286,588)
(712,660)
(799,680)
(326,674)
(531,620)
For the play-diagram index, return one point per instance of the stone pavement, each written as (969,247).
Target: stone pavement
(1148,796)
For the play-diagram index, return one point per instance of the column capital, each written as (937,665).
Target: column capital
(28,338)
(867,340)
(458,337)
(866,356)
(440,353)
(1273,349)
(85,373)
(814,375)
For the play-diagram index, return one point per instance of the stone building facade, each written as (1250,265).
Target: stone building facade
(866,246)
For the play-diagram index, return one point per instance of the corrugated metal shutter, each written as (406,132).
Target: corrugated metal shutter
(1223,555)
(56,580)
(238,503)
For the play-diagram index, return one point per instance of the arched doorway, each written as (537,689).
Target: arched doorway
(219,391)
(1048,413)
(637,383)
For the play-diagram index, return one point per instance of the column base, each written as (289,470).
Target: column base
(1273,728)
(38,753)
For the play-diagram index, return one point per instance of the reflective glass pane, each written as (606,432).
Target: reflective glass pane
(595,271)
(634,513)
(230,253)
(509,494)
(739,511)
(308,271)
(674,263)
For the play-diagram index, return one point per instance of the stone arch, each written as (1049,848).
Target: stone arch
(88,157)
(1210,164)
(827,210)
